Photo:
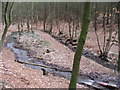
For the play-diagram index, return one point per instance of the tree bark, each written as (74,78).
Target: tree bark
(8,21)
(45,17)
(28,26)
(57,69)
(81,42)
(95,28)
(119,36)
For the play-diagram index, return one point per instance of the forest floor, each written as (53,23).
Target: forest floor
(16,75)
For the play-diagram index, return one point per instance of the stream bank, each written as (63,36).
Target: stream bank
(17,75)
(88,54)
(23,56)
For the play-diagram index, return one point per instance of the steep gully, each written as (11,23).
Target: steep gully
(35,63)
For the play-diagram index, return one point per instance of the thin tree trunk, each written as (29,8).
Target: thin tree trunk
(107,22)
(119,36)
(95,27)
(31,26)
(70,32)
(19,29)
(28,26)
(110,34)
(104,28)
(32,19)
(76,28)
(45,17)
(73,30)
(36,21)
(58,27)
(3,37)
(118,68)
(51,27)
(44,25)
(7,19)
(81,42)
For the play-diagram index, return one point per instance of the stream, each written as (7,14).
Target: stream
(22,55)
(88,54)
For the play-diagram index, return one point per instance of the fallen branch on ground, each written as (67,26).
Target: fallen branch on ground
(42,66)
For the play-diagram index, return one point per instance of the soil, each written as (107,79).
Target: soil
(16,75)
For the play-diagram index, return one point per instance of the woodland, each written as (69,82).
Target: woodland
(66,45)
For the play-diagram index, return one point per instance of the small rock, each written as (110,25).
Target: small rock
(44,71)
(47,51)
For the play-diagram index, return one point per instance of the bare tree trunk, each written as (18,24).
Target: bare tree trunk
(110,34)
(95,27)
(81,41)
(104,28)
(3,37)
(58,27)
(73,30)
(44,25)
(107,14)
(119,36)
(32,19)
(19,29)
(70,32)
(36,21)
(28,26)
(45,16)
(51,27)
(8,21)
(21,26)
(118,68)
(76,27)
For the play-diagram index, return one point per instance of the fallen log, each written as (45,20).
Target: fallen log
(81,79)
(57,69)
(108,85)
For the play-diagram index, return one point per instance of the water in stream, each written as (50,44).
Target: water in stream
(21,55)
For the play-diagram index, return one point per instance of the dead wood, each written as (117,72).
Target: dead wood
(42,66)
